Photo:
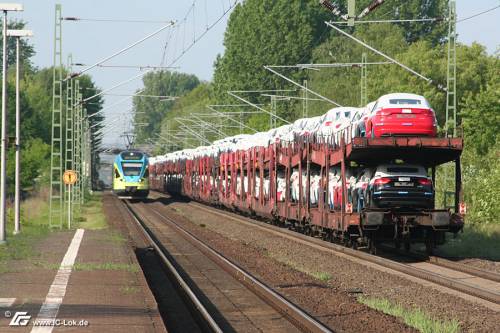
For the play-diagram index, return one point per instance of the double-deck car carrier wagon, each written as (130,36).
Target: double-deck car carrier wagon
(307,185)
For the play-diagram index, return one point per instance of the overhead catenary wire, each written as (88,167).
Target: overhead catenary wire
(414,72)
(478,14)
(435,19)
(123,50)
(271,69)
(113,20)
(170,64)
(141,67)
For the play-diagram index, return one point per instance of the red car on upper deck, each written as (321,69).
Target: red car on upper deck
(401,114)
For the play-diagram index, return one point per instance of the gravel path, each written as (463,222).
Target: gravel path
(334,307)
(325,275)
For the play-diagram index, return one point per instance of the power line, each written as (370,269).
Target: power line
(141,67)
(171,63)
(481,13)
(71,18)
(436,19)
(428,80)
(124,49)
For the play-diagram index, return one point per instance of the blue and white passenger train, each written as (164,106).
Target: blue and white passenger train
(131,174)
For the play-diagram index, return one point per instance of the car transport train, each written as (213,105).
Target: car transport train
(336,176)
(131,175)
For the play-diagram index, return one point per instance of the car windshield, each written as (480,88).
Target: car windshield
(131,169)
(402,170)
(404,101)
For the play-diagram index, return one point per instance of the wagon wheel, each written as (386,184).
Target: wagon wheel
(372,245)
(407,244)
(429,243)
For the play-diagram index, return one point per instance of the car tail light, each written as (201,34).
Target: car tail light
(382,181)
(462,208)
(348,208)
(425,181)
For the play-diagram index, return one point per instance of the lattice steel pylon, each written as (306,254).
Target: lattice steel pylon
(69,156)
(77,143)
(451,81)
(56,212)
(83,151)
(305,100)
(451,98)
(364,80)
(272,116)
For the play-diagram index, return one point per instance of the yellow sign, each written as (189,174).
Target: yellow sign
(69,177)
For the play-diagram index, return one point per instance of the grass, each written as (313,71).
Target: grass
(115,237)
(415,318)
(91,215)
(107,266)
(322,276)
(34,226)
(127,290)
(476,241)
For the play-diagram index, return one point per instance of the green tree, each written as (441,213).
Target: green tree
(266,32)
(26,49)
(151,111)
(194,101)
(481,118)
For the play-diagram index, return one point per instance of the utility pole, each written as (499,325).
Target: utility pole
(451,98)
(77,141)
(305,101)
(451,82)
(17,196)
(351,12)
(56,212)
(69,156)
(272,116)
(364,80)
(83,152)
(3,168)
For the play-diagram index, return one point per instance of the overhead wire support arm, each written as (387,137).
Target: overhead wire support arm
(435,19)
(256,106)
(228,116)
(333,8)
(371,7)
(342,64)
(428,80)
(130,66)
(270,68)
(123,50)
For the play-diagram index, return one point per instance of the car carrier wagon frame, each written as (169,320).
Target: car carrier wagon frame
(214,180)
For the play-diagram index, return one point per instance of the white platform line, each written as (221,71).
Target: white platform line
(6,302)
(57,290)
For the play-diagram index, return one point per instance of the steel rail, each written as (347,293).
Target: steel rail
(446,263)
(294,314)
(464,269)
(210,322)
(464,287)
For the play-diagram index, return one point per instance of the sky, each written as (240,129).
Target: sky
(91,41)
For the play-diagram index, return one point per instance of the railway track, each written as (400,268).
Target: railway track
(193,303)
(463,279)
(296,316)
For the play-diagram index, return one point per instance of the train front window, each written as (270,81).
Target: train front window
(132,169)
(132,155)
